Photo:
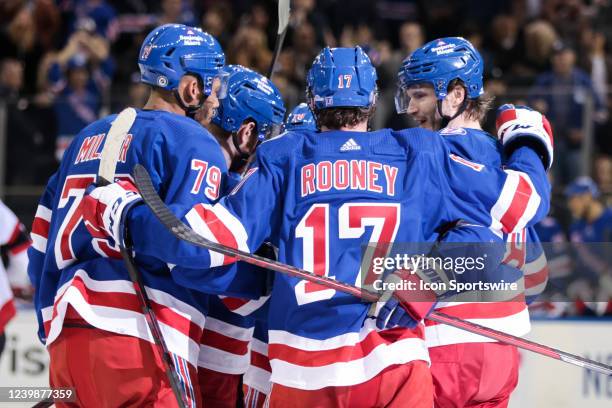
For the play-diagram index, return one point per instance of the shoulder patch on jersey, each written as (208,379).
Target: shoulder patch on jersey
(453,131)
(470,164)
(248,174)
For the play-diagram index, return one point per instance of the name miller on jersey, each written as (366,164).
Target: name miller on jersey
(91,148)
(345,174)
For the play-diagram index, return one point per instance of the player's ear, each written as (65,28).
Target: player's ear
(189,89)
(247,136)
(458,93)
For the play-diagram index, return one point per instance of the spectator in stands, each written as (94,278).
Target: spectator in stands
(26,158)
(592,226)
(11,79)
(80,77)
(305,11)
(593,59)
(538,39)
(216,21)
(567,16)
(502,45)
(562,95)
(305,49)
(19,39)
(592,219)
(100,11)
(602,166)
(249,48)
(77,104)
(176,11)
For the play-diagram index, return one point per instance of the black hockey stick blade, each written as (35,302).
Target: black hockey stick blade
(183,232)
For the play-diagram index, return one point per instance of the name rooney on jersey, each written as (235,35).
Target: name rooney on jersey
(344,174)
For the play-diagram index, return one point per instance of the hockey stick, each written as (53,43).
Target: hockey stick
(183,232)
(106,175)
(283,23)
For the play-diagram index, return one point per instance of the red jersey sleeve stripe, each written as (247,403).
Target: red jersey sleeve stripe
(517,206)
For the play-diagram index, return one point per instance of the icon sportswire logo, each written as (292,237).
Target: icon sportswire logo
(350,145)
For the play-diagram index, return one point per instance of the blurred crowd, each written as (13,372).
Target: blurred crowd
(64,63)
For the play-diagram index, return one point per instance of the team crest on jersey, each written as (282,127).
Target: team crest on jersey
(453,131)
(146,51)
(329,100)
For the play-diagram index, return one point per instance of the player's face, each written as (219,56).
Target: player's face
(422,106)
(211,103)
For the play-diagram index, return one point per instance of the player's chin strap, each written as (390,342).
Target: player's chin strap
(242,159)
(190,111)
(446,119)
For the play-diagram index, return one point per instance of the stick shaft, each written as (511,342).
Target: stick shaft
(106,174)
(183,232)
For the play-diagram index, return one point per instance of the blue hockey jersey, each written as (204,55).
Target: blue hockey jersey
(524,262)
(478,145)
(68,267)
(319,202)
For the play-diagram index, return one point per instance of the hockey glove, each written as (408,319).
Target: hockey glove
(403,305)
(519,126)
(104,209)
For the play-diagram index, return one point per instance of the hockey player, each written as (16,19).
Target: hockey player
(448,96)
(90,318)
(300,118)
(14,243)
(310,192)
(256,380)
(252,107)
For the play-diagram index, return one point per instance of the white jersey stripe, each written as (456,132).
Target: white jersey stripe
(352,372)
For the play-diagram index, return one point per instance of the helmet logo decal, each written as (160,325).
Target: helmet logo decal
(443,49)
(146,51)
(191,39)
(262,85)
(162,81)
